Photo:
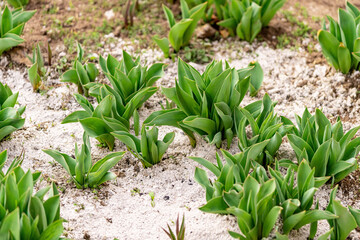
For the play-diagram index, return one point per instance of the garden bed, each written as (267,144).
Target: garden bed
(122,208)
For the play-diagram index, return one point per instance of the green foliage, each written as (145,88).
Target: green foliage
(256,210)
(324,146)
(223,192)
(25,215)
(196,55)
(81,74)
(209,11)
(297,199)
(181,32)
(15,163)
(129,79)
(131,87)
(341,42)
(18,3)
(347,220)
(10,118)
(11,27)
(236,191)
(99,122)
(37,70)
(245,18)
(148,149)
(206,102)
(180,230)
(81,169)
(264,125)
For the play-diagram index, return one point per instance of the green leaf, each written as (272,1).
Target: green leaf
(6,21)
(8,41)
(329,45)
(320,159)
(345,222)
(100,168)
(315,215)
(202,178)
(215,205)
(11,224)
(169,16)
(166,117)
(53,231)
(51,207)
(177,32)
(292,221)
(344,59)
(270,220)
(36,209)
(70,76)
(196,14)
(203,124)
(129,140)
(348,28)
(256,78)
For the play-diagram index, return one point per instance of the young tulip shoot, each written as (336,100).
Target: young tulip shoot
(148,149)
(325,146)
(206,102)
(11,27)
(10,118)
(81,169)
(340,43)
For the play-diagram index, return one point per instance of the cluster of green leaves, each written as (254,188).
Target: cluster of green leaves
(242,188)
(297,199)
(256,210)
(323,150)
(131,87)
(10,118)
(348,219)
(11,27)
(325,146)
(264,125)
(148,149)
(81,73)
(18,3)
(179,232)
(129,79)
(37,70)
(245,18)
(180,33)
(238,191)
(229,177)
(206,102)
(81,169)
(341,42)
(25,215)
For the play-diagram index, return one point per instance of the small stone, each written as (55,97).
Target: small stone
(302,83)
(166,198)
(205,31)
(136,168)
(224,33)
(109,14)
(117,31)
(62,54)
(4,61)
(86,236)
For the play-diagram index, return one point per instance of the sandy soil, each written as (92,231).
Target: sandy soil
(116,210)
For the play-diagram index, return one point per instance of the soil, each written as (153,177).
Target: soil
(122,209)
(63,22)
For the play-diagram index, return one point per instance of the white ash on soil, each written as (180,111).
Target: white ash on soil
(122,208)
